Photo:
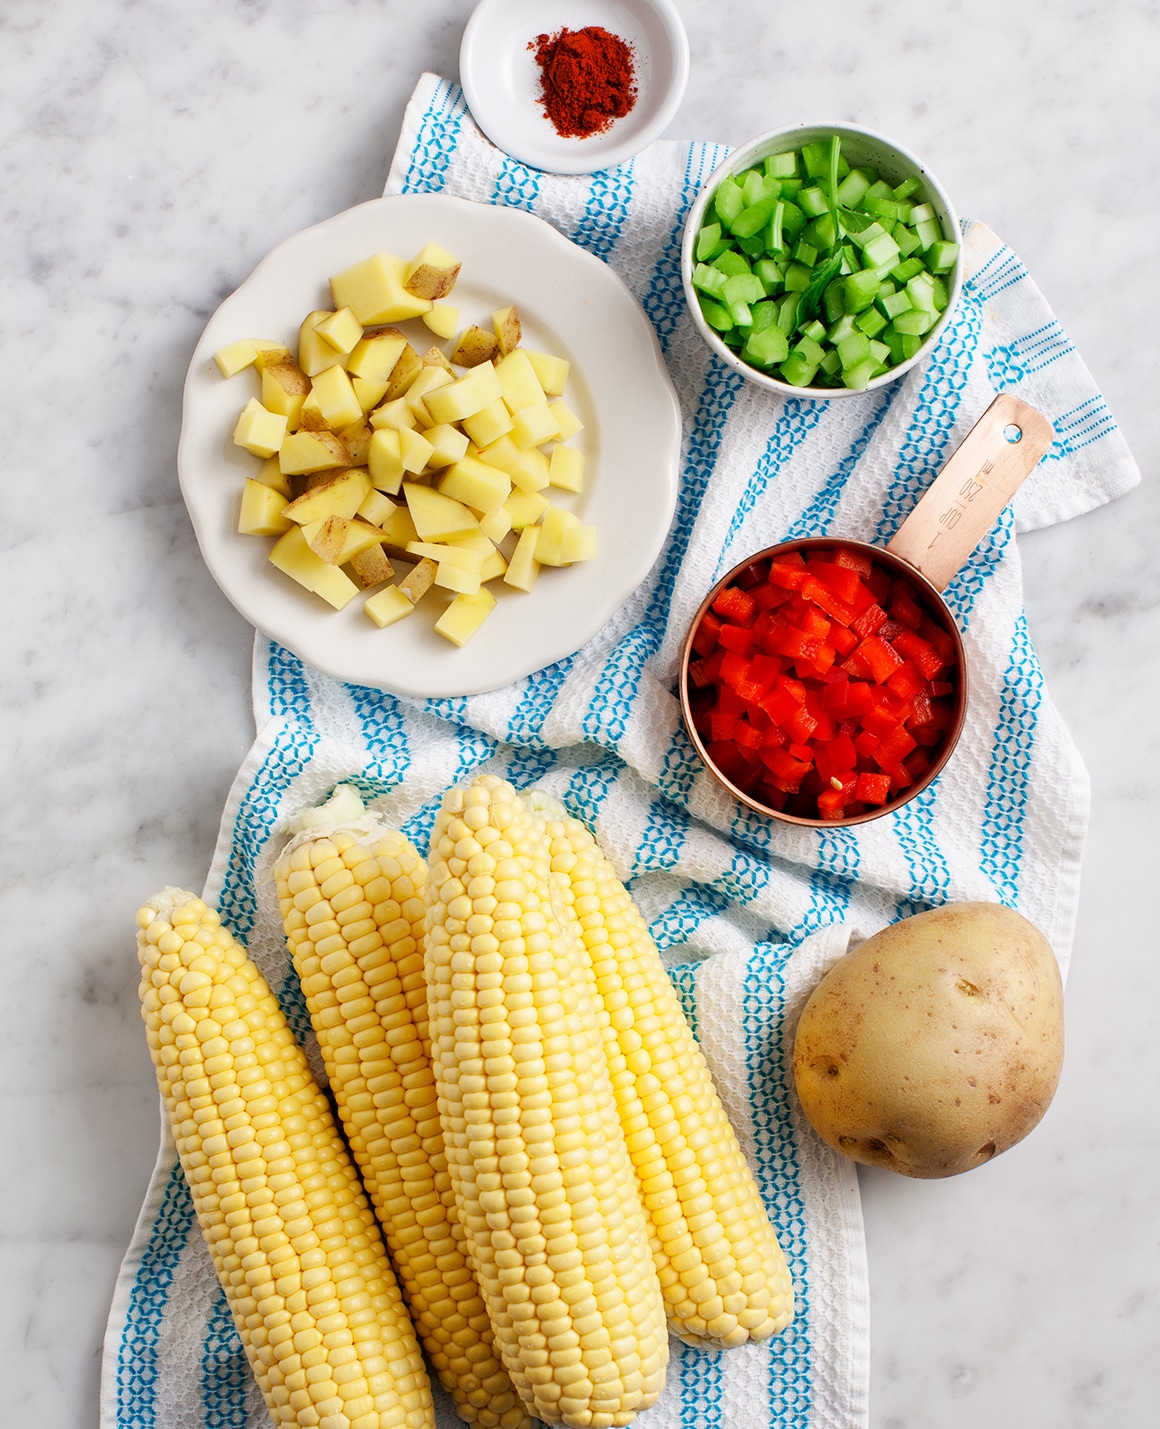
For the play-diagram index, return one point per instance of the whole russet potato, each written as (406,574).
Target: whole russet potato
(936,1044)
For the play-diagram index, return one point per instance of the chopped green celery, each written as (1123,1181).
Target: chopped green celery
(894,341)
(774,237)
(743,288)
(882,208)
(880,252)
(853,187)
(822,233)
(831,363)
(910,344)
(816,158)
(764,315)
(752,186)
(811,351)
(879,352)
(861,290)
(813,201)
(922,212)
(797,371)
(797,278)
(929,232)
(782,166)
(879,190)
(907,240)
(942,255)
(906,270)
(841,329)
(740,313)
(766,347)
(834,301)
(709,280)
(893,303)
(753,218)
(707,241)
(915,322)
(815,330)
(941,296)
(734,338)
(805,253)
(731,263)
(860,375)
(871,322)
(850,264)
(728,201)
(887,288)
(791,187)
(787,312)
(752,247)
(866,235)
(769,272)
(715,315)
(793,220)
(920,291)
(908,187)
(853,349)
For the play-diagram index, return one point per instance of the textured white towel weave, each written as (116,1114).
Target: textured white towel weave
(748,913)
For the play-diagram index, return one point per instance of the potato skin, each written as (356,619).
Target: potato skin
(936,1044)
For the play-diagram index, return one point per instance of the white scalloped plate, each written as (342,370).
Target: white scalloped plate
(572,305)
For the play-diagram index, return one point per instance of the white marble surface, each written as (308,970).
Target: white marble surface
(151,154)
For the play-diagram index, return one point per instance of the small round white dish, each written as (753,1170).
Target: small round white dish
(501,79)
(572,305)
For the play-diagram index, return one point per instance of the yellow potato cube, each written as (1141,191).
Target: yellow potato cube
(369,393)
(342,330)
(403,373)
(357,440)
(376,508)
(304,452)
(420,581)
(336,397)
(414,450)
(385,460)
(375,354)
(341,495)
(475,345)
(493,563)
(432,273)
(437,516)
(388,606)
(392,414)
(578,544)
(553,528)
(462,556)
(519,385)
(443,320)
(235,356)
(436,357)
(488,424)
(270,474)
(267,352)
(310,418)
(528,469)
(398,532)
(523,568)
(293,557)
(259,431)
(261,513)
(496,524)
(448,444)
(566,468)
(507,329)
(428,381)
(464,616)
(374,290)
(371,567)
(452,576)
(464,398)
(284,389)
(525,508)
(552,372)
(325,537)
(567,422)
(484,487)
(531,426)
(315,354)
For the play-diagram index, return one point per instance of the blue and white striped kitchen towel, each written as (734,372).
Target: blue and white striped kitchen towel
(749,913)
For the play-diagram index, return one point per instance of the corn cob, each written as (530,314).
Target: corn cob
(724,1277)
(292,1237)
(353,913)
(542,1178)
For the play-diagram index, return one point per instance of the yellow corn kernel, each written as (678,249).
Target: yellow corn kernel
(367,999)
(526,1103)
(235,1051)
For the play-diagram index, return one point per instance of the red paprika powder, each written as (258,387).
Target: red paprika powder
(587,79)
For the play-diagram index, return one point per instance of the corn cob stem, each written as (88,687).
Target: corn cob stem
(353,913)
(536,1153)
(292,1238)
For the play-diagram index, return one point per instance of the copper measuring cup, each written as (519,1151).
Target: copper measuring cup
(929,548)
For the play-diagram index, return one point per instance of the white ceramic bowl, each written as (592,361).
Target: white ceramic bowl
(859,146)
(501,80)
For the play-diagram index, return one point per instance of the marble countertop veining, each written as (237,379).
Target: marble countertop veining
(150,155)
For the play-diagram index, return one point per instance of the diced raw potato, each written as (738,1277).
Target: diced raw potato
(236,356)
(284,389)
(448,444)
(436,357)
(403,373)
(464,616)
(488,424)
(294,557)
(519,385)
(566,468)
(452,576)
(385,460)
(259,431)
(465,397)
(432,273)
(336,397)
(357,440)
(392,414)
(443,320)
(398,532)
(464,557)
(475,484)
(315,354)
(523,568)
(371,567)
(310,418)
(556,523)
(435,515)
(338,541)
(341,495)
(496,524)
(552,372)
(342,330)
(414,450)
(374,290)
(528,469)
(578,544)
(388,606)
(525,508)
(493,562)
(475,345)
(428,381)
(267,352)
(375,354)
(304,452)
(507,329)
(261,513)
(420,581)
(532,426)
(567,422)
(369,393)
(376,508)
(270,474)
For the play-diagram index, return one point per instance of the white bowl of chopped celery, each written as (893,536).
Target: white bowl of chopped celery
(816,295)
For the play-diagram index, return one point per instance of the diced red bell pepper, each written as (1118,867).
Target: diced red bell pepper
(840,580)
(791,574)
(752,575)
(832,803)
(906,682)
(842,640)
(745,735)
(866,743)
(853,560)
(779,704)
(738,638)
(879,582)
(800,725)
(917,762)
(814,623)
(706,637)
(890,629)
(727,758)
(899,778)
(722,724)
(769,597)
(921,710)
(904,607)
(706,672)
(869,621)
(783,765)
(774,737)
(941,687)
(921,651)
(764,670)
(736,605)
(841,751)
(802,752)
(880,658)
(825,598)
(893,749)
(873,788)
(734,669)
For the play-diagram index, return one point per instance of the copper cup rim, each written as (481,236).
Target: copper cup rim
(902,568)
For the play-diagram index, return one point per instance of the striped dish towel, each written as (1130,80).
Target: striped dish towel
(748,913)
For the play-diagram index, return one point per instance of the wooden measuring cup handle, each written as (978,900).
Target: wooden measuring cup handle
(963,502)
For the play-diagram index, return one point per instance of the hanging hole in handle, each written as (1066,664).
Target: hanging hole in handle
(1013,433)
